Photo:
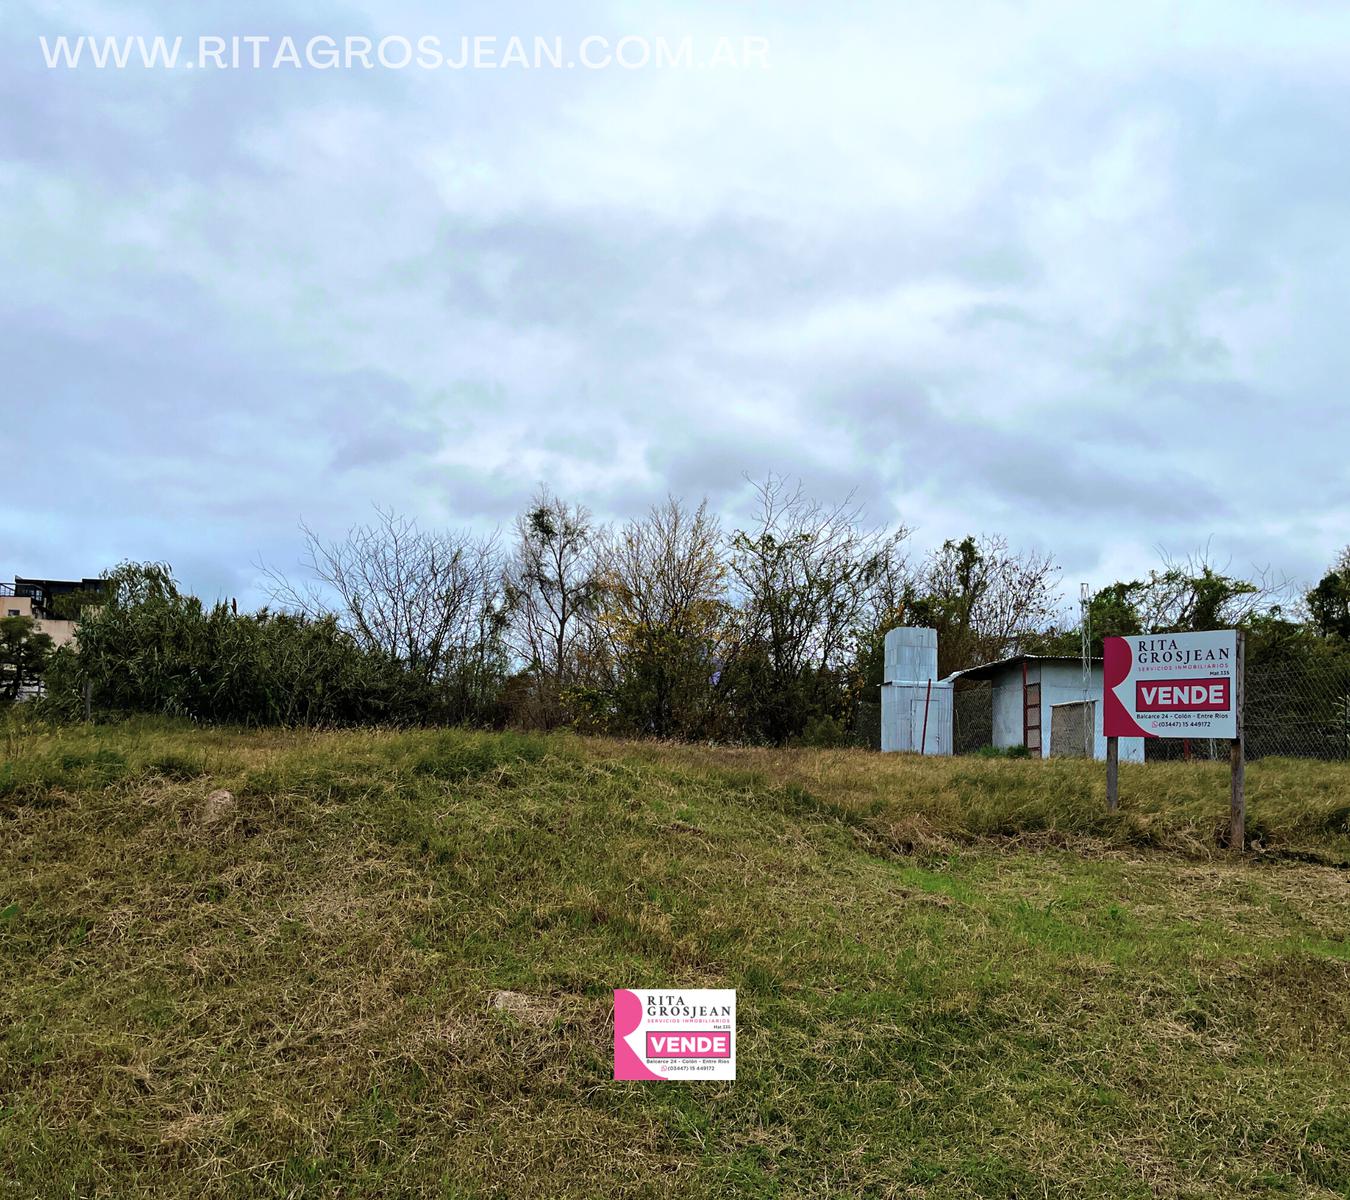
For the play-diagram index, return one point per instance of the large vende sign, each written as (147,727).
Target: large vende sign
(1171,685)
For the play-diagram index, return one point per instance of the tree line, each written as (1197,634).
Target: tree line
(669,625)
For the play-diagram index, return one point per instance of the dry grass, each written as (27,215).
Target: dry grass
(382,967)
(1294,806)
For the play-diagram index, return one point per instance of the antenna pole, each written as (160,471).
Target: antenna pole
(1085,646)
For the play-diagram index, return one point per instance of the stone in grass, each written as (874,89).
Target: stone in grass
(217,807)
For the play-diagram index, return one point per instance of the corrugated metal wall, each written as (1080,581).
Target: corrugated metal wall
(911,655)
(916,710)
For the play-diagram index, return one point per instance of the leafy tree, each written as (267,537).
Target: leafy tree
(663,609)
(1191,596)
(24,655)
(150,648)
(985,600)
(1329,602)
(1113,611)
(1179,597)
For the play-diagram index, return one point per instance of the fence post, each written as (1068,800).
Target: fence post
(1237,795)
(1112,774)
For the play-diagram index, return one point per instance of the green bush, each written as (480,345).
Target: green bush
(150,649)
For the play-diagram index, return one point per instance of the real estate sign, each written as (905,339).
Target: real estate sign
(1171,685)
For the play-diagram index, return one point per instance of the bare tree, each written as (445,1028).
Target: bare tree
(984,599)
(1193,594)
(429,600)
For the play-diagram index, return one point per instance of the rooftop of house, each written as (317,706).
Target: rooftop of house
(42,592)
(990,669)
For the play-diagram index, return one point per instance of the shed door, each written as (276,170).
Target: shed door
(1031,718)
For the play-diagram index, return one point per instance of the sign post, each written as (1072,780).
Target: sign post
(1176,685)
(1112,774)
(1237,755)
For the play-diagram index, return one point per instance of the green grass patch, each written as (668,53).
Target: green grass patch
(955,979)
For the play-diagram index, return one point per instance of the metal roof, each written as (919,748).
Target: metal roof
(992,668)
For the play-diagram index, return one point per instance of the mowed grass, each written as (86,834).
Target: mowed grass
(955,978)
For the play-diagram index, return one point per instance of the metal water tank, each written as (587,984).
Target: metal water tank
(911,654)
(916,710)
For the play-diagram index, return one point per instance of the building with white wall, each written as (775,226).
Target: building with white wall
(1027,690)
(40,601)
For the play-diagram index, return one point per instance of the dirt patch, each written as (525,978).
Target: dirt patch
(529,1010)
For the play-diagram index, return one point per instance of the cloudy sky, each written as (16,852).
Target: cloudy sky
(1070,272)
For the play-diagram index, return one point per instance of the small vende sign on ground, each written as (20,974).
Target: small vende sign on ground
(1175,685)
(675,1033)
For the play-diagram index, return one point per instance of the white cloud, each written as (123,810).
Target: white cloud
(1000,267)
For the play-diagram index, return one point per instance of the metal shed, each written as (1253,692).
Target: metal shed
(1027,691)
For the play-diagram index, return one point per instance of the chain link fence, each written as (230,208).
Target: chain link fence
(972,719)
(1299,711)
(1293,710)
(866,725)
(972,715)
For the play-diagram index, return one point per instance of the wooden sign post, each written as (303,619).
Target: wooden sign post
(1112,774)
(1237,755)
(1176,685)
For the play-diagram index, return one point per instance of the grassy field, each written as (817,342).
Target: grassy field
(955,978)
